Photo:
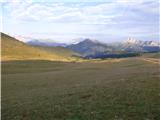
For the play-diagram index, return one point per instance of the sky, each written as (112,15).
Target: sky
(69,21)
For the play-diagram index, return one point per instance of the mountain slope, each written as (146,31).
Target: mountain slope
(62,51)
(89,47)
(13,49)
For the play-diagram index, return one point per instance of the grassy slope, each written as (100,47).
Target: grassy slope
(12,49)
(42,90)
(58,51)
(152,55)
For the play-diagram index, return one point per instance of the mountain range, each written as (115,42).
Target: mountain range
(13,49)
(133,45)
(36,42)
(90,47)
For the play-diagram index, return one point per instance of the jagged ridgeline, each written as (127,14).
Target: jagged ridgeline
(129,48)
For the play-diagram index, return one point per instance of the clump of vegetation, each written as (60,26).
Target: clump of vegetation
(112,55)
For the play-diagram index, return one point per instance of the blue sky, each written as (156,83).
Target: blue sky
(69,21)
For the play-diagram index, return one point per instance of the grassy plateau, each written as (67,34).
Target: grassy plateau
(127,89)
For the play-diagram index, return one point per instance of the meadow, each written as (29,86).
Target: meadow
(128,89)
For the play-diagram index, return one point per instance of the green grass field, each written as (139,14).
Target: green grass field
(43,90)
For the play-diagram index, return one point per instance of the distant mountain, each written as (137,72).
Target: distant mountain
(133,45)
(13,49)
(132,41)
(93,49)
(89,47)
(36,42)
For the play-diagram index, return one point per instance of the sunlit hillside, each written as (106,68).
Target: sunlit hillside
(62,51)
(13,49)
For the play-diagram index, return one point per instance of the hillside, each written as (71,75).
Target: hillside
(62,51)
(13,49)
(152,55)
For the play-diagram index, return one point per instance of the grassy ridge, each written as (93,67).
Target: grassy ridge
(43,90)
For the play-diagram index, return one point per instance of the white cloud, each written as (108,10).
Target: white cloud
(100,8)
(59,12)
(119,17)
(101,13)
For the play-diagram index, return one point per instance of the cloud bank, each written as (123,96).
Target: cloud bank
(118,18)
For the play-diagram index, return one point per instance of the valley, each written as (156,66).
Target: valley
(124,89)
(58,83)
(80,60)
